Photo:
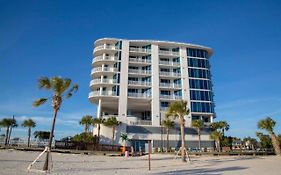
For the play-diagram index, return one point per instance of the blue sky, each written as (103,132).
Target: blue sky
(48,38)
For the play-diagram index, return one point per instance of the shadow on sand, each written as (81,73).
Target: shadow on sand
(206,171)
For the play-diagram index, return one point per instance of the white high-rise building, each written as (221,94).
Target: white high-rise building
(136,80)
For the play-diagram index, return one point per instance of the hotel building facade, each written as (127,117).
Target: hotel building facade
(136,80)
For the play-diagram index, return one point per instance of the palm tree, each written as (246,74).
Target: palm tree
(168,124)
(268,125)
(112,122)
(28,123)
(13,125)
(42,135)
(179,109)
(217,136)
(5,123)
(198,124)
(98,122)
(224,126)
(8,123)
(86,121)
(60,87)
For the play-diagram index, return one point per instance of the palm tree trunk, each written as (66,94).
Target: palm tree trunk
(183,156)
(98,133)
(7,135)
(167,149)
(46,164)
(219,145)
(113,133)
(29,133)
(199,141)
(10,132)
(275,144)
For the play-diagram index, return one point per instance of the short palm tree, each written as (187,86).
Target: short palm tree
(217,136)
(6,123)
(198,124)
(168,124)
(268,125)
(28,123)
(112,122)
(98,122)
(86,121)
(179,109)
(60,87)
(224,126)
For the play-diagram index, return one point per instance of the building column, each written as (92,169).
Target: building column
(185,83)
(99,109)
(123,89)
(155,103)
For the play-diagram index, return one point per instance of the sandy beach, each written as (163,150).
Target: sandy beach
(15,162)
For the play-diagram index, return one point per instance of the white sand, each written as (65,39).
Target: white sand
(16,162)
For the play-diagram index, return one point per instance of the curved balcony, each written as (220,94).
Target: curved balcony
(100,81)
(139,83)
(139,95)
(170,97)
(104,70)
(170,74)
(102,93)
(105,46)
(104,58)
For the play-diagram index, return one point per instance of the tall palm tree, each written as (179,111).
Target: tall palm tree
(198,124)
(8,123)
(217,136)
(60,87)
(28,123)
(168,124)
(179,109)
(86,121)
(112,122)
(268,125)
(98,122)
(13,125)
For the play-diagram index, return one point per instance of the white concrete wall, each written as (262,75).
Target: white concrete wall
(155,103)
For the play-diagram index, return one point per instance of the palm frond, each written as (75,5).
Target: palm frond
(44,83)
(71,91)
(57,85)
(39,102)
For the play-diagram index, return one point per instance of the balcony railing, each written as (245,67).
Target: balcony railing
(170,97)
(139,71)
(105,46)
(102,93)
(104,69)
(142,83)
(168,52)
(139,95)
(105,58)
(164,108)
(139,60)
(170,74)
(170,63)
(138,49)
(141,122)
(170,85)
(105,81)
